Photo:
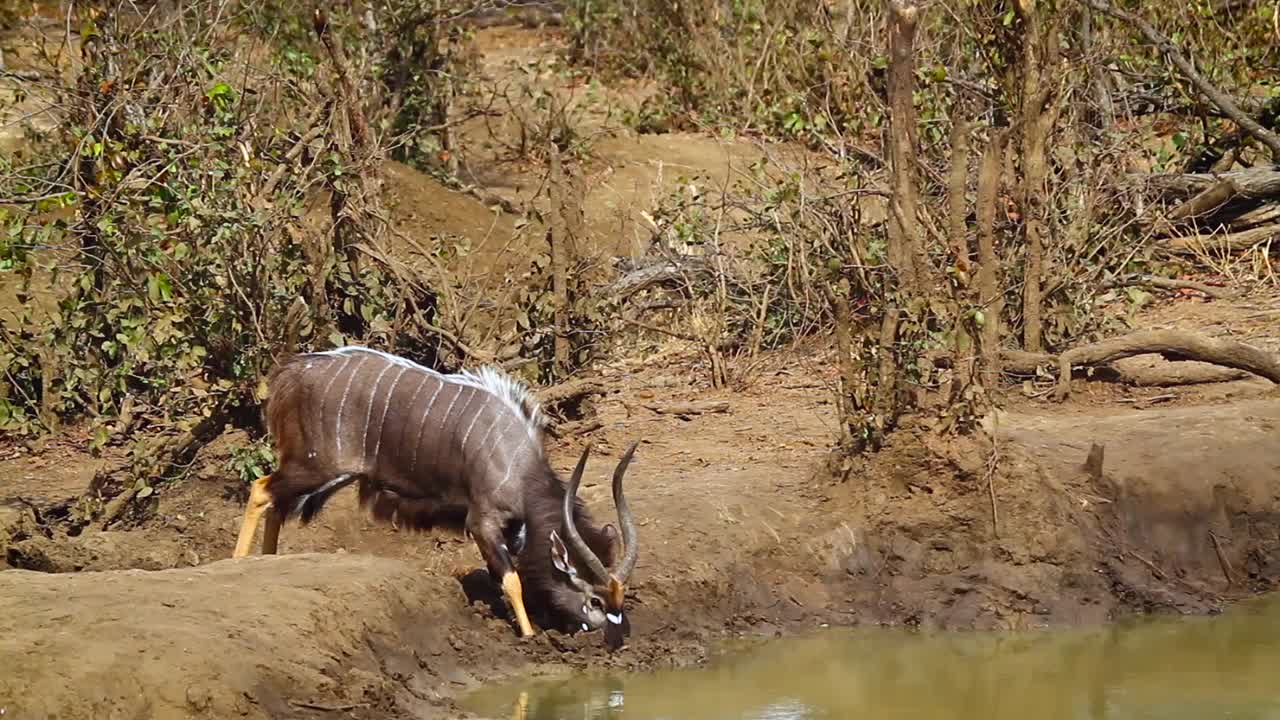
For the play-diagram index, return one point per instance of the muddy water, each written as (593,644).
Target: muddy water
(1226,666)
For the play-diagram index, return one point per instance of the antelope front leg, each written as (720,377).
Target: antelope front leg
(488,537)
(271,530)
(259,502)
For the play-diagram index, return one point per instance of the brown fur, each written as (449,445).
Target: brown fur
(544,498)
(300,479)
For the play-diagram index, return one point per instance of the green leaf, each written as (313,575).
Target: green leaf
(145,492)
(100,436)
(219,90)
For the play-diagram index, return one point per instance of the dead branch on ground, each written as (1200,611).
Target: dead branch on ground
(569,390)
(1172,374)
(1228,242)
(1205,203)
(1256,183)
(573,428)
(1173,345)
(155,463)
(684,409)
(665,271)
(1166,284)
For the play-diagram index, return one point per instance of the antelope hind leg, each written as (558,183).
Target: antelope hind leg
(259,502)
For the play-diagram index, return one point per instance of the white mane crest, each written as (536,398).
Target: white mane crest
(514,394)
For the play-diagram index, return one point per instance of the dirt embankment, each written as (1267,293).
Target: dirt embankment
(742,531)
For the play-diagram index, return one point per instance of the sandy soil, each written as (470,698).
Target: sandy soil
(744,530)
(744,533)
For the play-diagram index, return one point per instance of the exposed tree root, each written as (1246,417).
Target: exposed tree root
(1167,284)
(173,453)
(1173,345)
(1019,362)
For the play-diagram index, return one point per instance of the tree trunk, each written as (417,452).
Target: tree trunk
(849,412)
(905,252)
(1039,55)
(886,403)
(990,296)
(957,212)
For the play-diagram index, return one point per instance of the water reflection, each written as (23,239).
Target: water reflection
(1167,669)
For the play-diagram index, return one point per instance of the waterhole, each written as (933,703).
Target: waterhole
(1225,666)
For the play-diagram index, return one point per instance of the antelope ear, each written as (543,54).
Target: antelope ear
(560,555)
(614,540)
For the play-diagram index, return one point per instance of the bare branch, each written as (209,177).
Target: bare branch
(1172,344)
(1215,96)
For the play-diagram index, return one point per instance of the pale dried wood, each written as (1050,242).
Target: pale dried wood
(1166,284)
(1228,242)
(1173,345)
(695,407)
(1019,362)
(665,271)
(1256,183)
(1264,215)
(569,390)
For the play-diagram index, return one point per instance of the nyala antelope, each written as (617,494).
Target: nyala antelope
(461,451)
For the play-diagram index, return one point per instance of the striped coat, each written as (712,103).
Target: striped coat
(461,451)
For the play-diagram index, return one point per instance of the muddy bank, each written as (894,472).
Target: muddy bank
(1177,512)
(737,541)
(223,640)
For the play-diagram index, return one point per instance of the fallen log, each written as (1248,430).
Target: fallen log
(1264,215)
(1229,242)
(569,390)
(1255,183)
(1166,284)
(577,427)
(1172,345)
(1172,374)
(1205,202)
(690,408)
(684,270)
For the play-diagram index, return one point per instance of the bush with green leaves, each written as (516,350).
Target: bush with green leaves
(173,216)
